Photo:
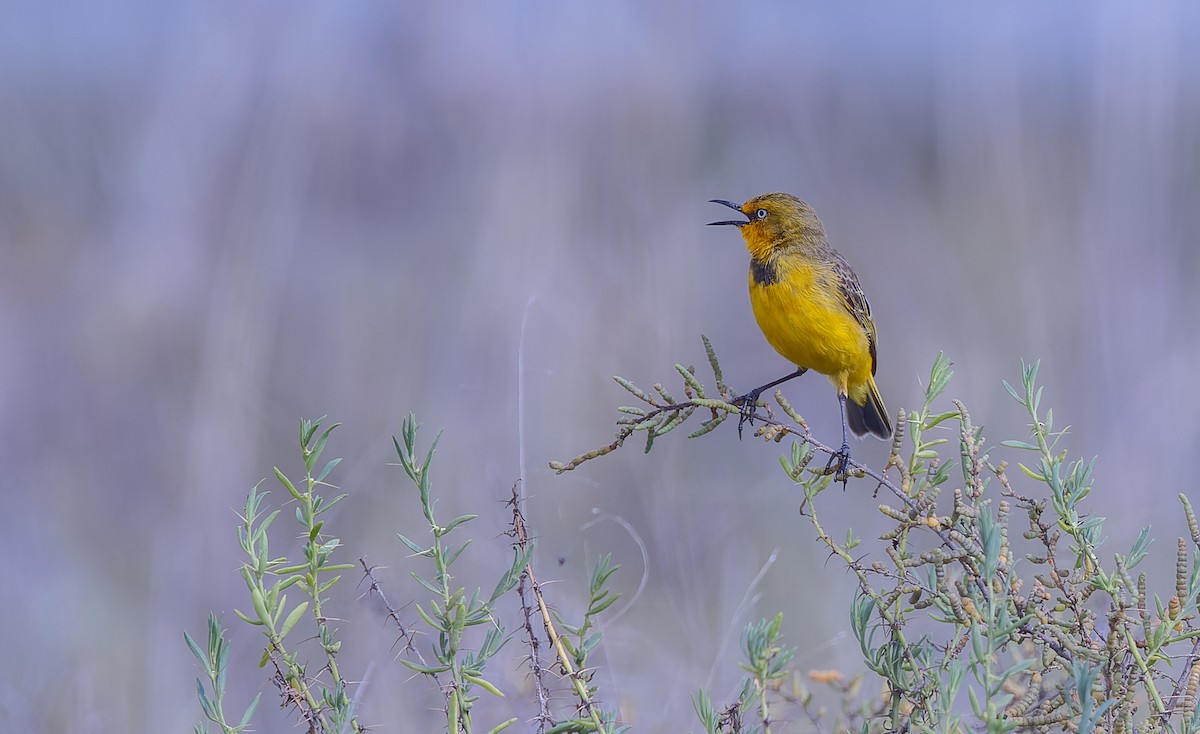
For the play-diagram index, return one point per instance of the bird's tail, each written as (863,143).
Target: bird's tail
(870,417)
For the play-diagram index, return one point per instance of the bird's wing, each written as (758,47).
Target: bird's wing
(855,300)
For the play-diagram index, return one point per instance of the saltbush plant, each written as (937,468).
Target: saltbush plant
(988,604)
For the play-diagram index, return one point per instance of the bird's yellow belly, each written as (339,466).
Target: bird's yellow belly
(811,327)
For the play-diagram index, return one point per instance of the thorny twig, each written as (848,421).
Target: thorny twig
(521,540)
(408,634)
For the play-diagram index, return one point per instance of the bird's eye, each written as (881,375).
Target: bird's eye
(761,213)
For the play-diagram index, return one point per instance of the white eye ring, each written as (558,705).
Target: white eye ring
(761,213)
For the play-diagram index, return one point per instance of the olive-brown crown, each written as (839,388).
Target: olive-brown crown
(780,221)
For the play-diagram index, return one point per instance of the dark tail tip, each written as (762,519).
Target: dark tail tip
(871,418)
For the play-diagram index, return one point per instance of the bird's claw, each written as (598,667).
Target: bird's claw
(747,403)
(839,465)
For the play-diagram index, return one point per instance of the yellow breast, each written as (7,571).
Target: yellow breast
(802,313)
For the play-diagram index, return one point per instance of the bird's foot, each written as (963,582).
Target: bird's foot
(747,403)
(839,465)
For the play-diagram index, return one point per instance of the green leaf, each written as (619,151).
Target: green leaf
(287,483)
(1019,667)
(328,468)
(261,530)
(429,454)
(330,503)
(418,550)
(707,426)
(278,606)
(1023,445)
(249,712)
(633,389)
(456,522)
(424,669)
(592,641)
(604,568)
(1031,473)
(566,642)
(289,582)
(326,586)
(939,377)
(572,725)
(293,618)
(702,703)
(975,705)
(203,658)
(1013,391)
(597,608)
(428,585)
(405,458)
(690,379)
(260,606)
(454,555)
(484,684)
(429,620)
(307,427)
(501,727)
(453,706)
(941,475)
(247,619)
(320,445)
(935,420)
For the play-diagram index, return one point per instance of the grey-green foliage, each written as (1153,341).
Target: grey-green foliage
(323,702)
(451,612)
(468,632)
(767,664)
(214,660)
(578,642)
(1046,637)
(963,631)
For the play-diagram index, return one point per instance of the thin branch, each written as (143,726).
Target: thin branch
(408,634)
(521,539)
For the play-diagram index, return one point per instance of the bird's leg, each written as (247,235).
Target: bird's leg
(750,400)
(840,460)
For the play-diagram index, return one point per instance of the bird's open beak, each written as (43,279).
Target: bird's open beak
(735,207)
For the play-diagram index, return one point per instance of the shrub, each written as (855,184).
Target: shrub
(987,605)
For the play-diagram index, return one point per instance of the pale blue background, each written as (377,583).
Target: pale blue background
(219,217)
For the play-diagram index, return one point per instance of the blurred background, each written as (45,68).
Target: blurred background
(218,218)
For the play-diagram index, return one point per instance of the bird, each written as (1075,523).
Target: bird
(811,309)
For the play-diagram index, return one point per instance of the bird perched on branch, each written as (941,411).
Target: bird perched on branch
(811,309)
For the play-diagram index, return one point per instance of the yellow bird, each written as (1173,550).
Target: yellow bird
(811,309)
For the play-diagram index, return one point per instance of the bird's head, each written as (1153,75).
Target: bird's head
(775,221)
